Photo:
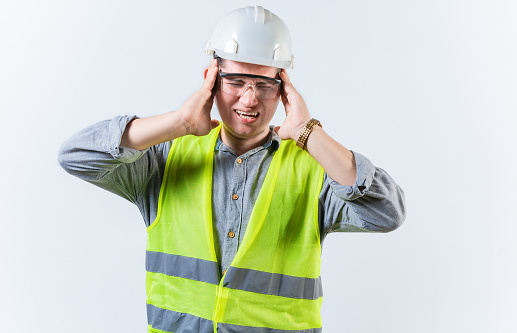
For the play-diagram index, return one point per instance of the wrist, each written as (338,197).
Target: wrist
(183,123)
(299,130)
(306,131)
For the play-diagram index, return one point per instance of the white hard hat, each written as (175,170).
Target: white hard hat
(252,35)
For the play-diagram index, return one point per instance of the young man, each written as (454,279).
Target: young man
(236,212)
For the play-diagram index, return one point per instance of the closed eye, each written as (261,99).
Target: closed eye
(264,85)
(235,81)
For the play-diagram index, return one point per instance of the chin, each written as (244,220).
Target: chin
(243,131)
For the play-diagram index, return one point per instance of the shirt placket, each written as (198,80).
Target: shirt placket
(234,222)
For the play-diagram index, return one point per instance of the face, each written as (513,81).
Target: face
(245,117)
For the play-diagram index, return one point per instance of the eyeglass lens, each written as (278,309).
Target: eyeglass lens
(238,85)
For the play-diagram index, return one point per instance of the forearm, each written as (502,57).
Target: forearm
(336,160)
(143,133)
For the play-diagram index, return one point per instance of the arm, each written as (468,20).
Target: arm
(192,118)
(356,195)
(338,162)
(95,155)
(125,154)
(99,150)
(374,203)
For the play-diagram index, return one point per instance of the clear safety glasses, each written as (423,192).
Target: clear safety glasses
(237,84)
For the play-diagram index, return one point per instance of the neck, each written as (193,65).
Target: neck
(243,145)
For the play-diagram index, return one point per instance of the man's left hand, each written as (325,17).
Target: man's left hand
(296,112)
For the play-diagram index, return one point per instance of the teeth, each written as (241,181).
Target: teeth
(247,115)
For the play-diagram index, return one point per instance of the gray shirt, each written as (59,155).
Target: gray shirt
(374,203)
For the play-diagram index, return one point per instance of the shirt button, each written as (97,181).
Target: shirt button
(239,160)
(231,234)
(235,197)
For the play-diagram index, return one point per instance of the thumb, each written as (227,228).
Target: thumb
(214,123)
(276,129)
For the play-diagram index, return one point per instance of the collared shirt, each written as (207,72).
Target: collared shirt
(373,203)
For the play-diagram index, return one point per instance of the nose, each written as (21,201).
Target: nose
(248,97)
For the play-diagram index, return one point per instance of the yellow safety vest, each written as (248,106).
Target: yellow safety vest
(273,283)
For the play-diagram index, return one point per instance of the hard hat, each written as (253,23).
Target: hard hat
(253,35)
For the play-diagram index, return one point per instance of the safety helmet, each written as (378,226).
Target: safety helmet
(253,35)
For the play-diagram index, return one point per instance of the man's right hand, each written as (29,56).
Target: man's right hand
(192,118)
(196,110)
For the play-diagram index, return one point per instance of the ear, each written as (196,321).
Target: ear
(206,72)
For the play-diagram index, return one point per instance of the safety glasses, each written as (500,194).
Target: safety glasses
(237,84)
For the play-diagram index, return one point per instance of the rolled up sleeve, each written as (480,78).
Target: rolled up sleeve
(94,154)
(95,151)
(116,129)
(374,203)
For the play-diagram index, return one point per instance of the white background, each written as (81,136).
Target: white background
(425,89)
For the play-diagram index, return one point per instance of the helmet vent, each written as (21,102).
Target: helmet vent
(260,16)
(231,46)
(276,55)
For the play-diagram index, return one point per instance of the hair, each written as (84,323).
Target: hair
(219,60)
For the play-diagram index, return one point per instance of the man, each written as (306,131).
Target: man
(236,212)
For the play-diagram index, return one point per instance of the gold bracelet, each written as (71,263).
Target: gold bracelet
(302,139)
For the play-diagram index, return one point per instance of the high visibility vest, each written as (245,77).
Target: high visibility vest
(273,283)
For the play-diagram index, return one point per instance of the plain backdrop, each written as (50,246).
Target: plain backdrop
(425,89)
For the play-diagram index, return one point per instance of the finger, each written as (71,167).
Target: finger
(211,76)
(283,72)
(284,96)
(285,101)
(211,65)
(288,86)
(214,123)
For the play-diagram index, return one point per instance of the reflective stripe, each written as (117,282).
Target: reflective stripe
(228,328)
(180,266)
(172,321)
(273,283)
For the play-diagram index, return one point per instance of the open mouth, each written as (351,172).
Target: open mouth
(247,115)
